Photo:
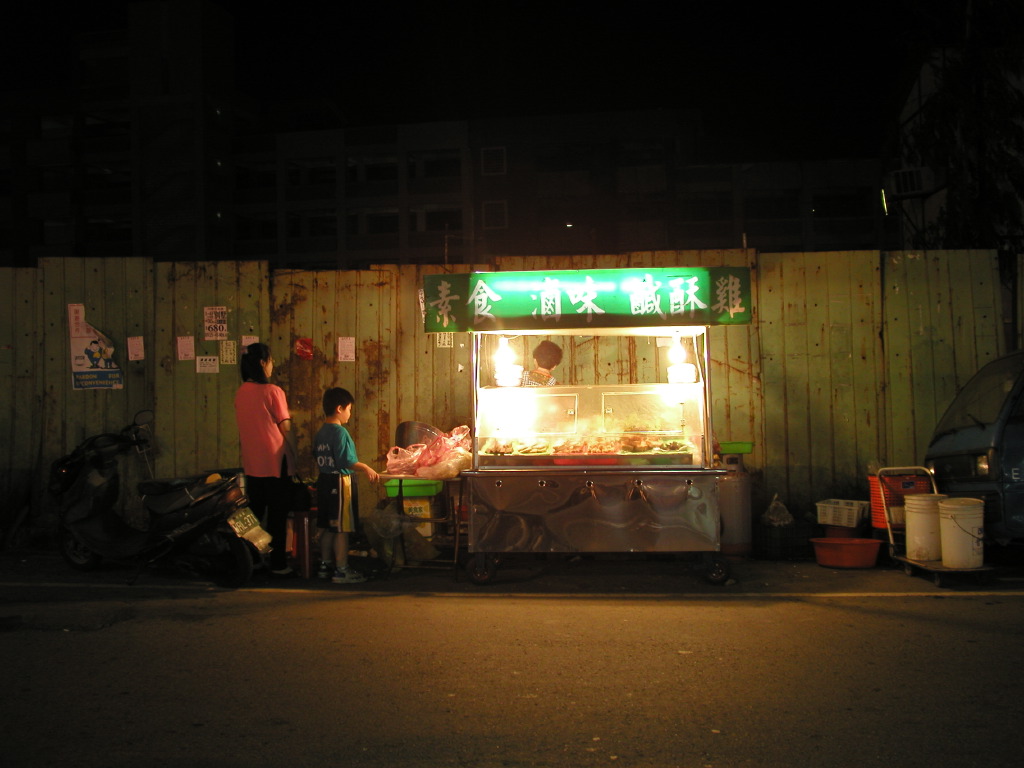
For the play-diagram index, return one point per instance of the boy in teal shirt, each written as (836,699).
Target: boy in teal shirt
(337,501)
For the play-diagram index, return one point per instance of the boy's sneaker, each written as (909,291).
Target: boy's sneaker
(347,576)
(325,571)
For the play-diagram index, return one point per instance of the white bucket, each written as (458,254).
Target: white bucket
(922,512)
(962,530)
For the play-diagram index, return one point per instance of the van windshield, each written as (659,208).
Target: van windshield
(980,401)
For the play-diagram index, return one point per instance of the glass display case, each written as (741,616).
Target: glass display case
(650,410)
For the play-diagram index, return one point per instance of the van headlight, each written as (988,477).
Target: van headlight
(981,465)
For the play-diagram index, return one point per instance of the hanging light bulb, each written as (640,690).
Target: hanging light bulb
(506,372)
(680,371)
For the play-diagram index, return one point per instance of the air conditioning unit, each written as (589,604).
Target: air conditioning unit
(911,182)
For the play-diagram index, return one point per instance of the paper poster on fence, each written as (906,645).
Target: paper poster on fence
(93,364)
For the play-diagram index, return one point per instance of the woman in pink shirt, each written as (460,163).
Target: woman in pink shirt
(268,456)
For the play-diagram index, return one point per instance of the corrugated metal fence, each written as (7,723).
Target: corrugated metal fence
(850,361)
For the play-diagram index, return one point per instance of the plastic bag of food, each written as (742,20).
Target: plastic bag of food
(404,461)
(450,466)
(777,515)
(448,446)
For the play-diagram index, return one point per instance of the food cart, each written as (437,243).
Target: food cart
(617,456)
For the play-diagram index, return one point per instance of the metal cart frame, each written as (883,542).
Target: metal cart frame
(938,571)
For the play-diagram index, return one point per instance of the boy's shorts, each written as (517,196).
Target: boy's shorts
(333,493)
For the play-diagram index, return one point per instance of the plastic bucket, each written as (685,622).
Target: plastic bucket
(924,541)
(962,531)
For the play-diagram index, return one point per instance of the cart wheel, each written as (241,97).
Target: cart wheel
(717,572)
(908,569)
(937,578)
(481,568)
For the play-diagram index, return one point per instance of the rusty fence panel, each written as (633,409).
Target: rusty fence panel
(822,368)
(195,410)
(851,358)
(943,321)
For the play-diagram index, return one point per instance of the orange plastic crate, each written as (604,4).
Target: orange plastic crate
(893,488)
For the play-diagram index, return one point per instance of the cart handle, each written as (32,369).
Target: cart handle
(904,470)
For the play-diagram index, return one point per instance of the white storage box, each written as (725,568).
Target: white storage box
(843,512)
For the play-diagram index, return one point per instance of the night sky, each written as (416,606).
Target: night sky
(772,80)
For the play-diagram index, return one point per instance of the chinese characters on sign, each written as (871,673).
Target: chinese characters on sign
(207,364)
(595,298)
(215,323)
(346,349)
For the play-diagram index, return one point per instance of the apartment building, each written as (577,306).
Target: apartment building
(153,152)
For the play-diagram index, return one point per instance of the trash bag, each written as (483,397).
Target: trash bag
(777,515)
(418,548)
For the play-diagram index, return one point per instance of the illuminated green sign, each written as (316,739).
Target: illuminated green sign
(595,298)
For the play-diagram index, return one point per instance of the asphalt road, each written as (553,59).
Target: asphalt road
(593,663)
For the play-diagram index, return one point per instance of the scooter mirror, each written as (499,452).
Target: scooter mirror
(142,418)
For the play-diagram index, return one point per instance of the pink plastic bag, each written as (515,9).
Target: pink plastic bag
(444,446)
(449,450)
(403,461)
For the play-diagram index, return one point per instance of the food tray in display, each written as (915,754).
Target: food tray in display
(586,460)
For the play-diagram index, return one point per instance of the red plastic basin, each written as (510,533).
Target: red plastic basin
(846,553)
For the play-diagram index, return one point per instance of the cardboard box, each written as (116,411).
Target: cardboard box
(421,507)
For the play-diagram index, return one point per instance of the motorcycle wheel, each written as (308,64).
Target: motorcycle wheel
(233,567)
(76,554)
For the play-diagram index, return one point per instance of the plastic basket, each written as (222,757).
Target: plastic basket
(893,488)
(843,512)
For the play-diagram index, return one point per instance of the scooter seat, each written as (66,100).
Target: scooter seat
(161,487)
(163,497)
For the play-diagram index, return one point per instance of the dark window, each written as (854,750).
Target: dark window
(108,230)
(382,223)
(317,170)
(564,157)
(492,161)
(710,206)
(323,224)
(853,203)
(255,177)
(256,227)
(443,220)
(444,164)
(784,204)
(107,177)
(495,214)
(382,170)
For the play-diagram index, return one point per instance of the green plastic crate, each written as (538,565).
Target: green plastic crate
(414,488)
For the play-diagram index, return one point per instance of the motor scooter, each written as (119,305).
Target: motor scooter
(199,524)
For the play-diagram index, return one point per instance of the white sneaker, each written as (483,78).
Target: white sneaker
(347,576)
